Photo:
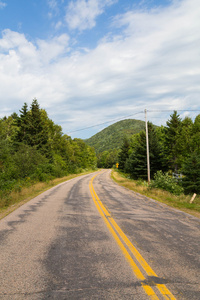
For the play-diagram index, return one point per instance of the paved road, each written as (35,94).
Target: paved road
(88,238)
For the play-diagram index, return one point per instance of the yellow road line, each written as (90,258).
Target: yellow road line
(109,220)
(149,291)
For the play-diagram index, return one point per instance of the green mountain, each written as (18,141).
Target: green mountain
(112,136)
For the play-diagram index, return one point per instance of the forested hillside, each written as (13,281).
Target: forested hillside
(174,151)
(33,148)
(108,142)
(112,137)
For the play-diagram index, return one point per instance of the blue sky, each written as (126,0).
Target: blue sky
(93,61)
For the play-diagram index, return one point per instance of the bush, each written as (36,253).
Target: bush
(27,160)
(142,182)
(165,182)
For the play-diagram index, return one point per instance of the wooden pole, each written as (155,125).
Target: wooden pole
(147,142)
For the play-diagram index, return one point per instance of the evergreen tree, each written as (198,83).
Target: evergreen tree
(23,124)
(31,127)
(171,142)
(191,165)
(195,142)
(191,171)
(184,141)
(123,153)
(136,164)
(38,133)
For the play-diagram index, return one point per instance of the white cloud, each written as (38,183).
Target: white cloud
(82,14)
(24,67)
(54,8)
(16,45)
(58,25)
(51,50)
(11,40)
(2,5)
(153,63)
(52,4)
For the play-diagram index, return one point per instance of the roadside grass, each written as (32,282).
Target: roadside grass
(17,198)
(181,202)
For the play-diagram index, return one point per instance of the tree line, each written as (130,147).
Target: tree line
(174,152)
(34,148)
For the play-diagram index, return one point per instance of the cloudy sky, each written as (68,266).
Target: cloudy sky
(91,62)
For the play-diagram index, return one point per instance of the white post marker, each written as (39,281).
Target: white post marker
(193,197)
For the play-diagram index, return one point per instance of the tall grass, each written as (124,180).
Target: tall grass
(181,202)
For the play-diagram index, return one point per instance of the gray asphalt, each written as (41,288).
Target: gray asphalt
(57,246)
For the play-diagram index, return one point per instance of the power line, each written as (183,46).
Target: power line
(169,110)
(150,111)
(121,118)
(106,122)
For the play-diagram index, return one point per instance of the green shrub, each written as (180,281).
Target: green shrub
(27,160)
(165,182)
(7,185)
(142,182)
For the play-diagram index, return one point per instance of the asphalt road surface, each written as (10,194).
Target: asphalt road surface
(89,238)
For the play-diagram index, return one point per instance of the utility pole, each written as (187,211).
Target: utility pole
(147,142)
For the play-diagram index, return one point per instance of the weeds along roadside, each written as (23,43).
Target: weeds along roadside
(181,202)
(10,201)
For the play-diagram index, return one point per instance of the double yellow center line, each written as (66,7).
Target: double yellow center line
(127,247)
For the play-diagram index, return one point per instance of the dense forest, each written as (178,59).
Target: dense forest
(111,137)
(174,152)
(107,143)
(33,148)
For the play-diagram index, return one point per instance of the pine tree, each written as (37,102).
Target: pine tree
(184,141)
(171,142)
(191,171)
(23,123)
(191,165)
(196,134)
(136,164)
(32,130)
(124,153)
(38,133)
